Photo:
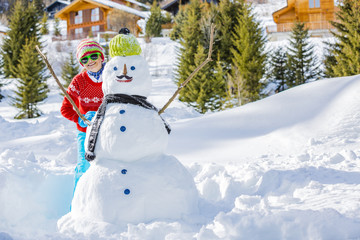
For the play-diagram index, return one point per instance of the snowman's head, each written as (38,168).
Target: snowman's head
(127,72)
(127,75)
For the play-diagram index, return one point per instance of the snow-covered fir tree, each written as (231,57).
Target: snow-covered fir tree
(248,62)
(23,25)
(278,69)
(303,65)
(32,87)
(343,58)
(69,70)
(153,24)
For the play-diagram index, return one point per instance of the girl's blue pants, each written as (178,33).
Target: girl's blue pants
(82,164)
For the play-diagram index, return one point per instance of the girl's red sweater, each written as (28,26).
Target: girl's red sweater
(87,96)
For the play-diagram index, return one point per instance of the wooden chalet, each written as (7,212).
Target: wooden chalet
(316,15)
(89,17)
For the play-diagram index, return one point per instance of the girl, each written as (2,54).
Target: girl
(85,90)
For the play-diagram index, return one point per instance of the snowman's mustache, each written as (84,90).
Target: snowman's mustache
(124,76)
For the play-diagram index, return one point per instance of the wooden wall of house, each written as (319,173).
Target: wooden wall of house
(86,16)
(86,23)
(307,14)
(299,10)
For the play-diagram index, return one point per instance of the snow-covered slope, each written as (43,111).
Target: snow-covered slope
(317,117)
(285,167)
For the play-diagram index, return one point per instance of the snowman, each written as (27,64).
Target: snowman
(130,179)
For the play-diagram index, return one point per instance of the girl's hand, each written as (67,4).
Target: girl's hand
(89,115)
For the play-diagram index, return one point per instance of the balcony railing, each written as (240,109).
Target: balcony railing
(287,27)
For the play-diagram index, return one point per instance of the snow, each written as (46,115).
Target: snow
(284,167)
(127,9)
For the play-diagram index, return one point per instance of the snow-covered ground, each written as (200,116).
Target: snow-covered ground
(285,167)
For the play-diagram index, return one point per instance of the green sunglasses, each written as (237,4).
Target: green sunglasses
(93,57)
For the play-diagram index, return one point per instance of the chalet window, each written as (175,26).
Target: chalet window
(95,29)
(95,14)
(314,3)
(78,31)
(78,17)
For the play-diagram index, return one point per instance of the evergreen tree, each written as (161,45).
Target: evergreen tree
(344,58)
(278,69)
(226,20)
(330,60)
(303,65)
(57,32)
(32,87)
(153,25)
(205,92)
(39,6)
(190,39)
(1,79)
(44,25)
(179,20)
(69,70)
(23,25)
(248,58)
(106,47)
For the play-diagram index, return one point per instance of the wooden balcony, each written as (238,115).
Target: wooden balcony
(287,27)
(86,24)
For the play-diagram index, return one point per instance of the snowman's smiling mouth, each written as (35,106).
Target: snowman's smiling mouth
(127,78)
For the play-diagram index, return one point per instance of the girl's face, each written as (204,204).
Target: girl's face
(93,65)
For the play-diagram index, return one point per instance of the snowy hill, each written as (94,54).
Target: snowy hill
(285,167)
(313,117)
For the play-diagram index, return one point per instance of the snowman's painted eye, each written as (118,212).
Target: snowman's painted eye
(132,68)
(115,68)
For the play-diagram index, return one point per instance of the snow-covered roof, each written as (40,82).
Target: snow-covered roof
(58,1)
(64,2)
(124,8)
(139,4)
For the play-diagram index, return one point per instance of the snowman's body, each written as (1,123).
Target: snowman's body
(131,180)
(129,132)
(152,188)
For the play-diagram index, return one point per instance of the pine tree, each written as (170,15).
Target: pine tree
(153,25)
(106,47)
(179,21)
(330,60)
(44,25)
(344,56)
(1,79)
(226,20)
(303,65)
(190,39)
(278,69)
(39,6)
(248,58)
(32,87)
(23,25)
(69,70)
(206,91)
(57,32)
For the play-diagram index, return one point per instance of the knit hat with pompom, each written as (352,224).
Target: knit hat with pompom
(124,44)
(87,47)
